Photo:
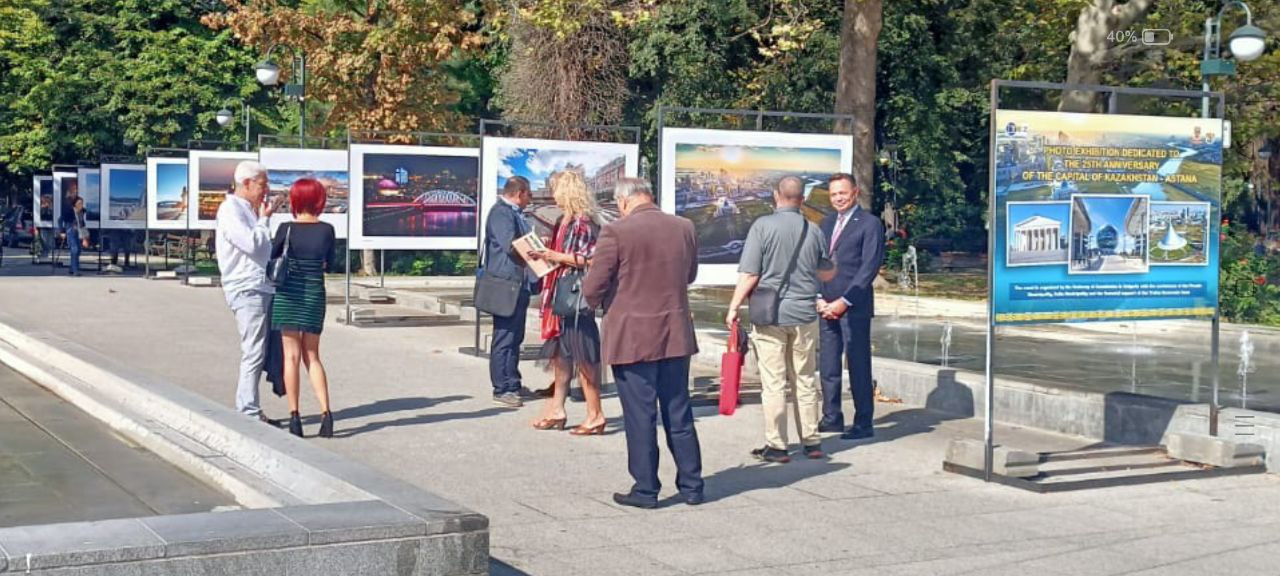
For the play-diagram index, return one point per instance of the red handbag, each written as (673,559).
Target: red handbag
(731,371)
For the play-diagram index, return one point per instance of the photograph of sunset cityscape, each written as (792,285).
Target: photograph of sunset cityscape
(419,196)
(601,167)
(724,188)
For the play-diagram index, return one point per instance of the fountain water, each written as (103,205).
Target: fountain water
(1246,366)
(946,343)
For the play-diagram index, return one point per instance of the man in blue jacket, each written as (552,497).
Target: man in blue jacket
(847,305)
(504,224)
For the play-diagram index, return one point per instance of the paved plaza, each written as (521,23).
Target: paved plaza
(408,404)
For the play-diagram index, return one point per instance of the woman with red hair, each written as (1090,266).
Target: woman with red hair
(297,312)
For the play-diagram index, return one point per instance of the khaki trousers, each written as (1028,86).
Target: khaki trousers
(787,358)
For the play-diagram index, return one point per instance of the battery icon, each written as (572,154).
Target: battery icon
(1156,36)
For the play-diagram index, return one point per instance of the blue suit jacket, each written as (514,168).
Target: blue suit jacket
(501,228)
(857,256)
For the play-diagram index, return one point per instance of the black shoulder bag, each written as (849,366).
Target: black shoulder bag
(278,268)
(494,295)
(764,302)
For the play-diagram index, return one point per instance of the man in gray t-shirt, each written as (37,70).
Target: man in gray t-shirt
(786,352)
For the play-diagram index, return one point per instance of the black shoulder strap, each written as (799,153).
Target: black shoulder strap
(795,257)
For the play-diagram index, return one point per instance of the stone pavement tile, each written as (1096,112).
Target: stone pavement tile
(784,495)
(1252,560)
(571,507)
(611,561)
(1063,520)
(895,484)
(697,556)
(799,546)
(509,511)
(835,487)
(1093,561)
(544,537)
(1188,542)
(636,529)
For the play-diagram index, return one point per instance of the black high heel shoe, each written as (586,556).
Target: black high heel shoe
(326,425)
(295,424)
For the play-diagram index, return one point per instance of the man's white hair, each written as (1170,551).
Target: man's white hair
(248,170)
(628,187)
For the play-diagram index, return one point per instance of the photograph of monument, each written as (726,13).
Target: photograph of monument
(601,164)
(42,209)
(415,197)
(167,196)
(124,188)
(1037,233)
(1178,234)
(1109,234)
(211,177)
(89,181)
(723,180)
(288,165)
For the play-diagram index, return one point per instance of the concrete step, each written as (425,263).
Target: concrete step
(388,316)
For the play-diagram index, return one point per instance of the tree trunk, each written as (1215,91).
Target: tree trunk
(856,86)
(368,263)
(1091,51)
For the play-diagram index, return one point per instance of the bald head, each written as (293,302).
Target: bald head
(790,191)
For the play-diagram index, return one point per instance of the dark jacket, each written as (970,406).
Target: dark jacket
(641,272)
(501,228)
(858,254)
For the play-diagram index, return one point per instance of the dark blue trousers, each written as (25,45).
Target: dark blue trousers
(647,390)
(847,338)
(504,348)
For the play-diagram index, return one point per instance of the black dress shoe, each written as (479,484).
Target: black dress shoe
(630,499)
(831,427)
(858,433)
(295,424)
(694,499)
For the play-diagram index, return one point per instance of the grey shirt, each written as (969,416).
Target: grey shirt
(767,253)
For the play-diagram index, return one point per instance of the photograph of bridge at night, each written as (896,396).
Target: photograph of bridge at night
(419,196)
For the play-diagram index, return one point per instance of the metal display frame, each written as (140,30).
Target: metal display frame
(104,159)
(146,241)
(383,137)
(1113,93)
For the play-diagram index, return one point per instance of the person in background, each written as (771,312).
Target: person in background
(504,224)
(70,223)
(243,249)
(571,343)
(847,304)
(641,271)
(783,252)
(299,305)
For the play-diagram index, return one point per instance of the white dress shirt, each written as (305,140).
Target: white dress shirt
(244,248)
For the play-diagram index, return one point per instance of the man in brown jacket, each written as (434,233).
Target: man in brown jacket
(641,272)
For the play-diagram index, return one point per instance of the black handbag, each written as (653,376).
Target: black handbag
(764,302)
(495,295)
(568,300)
(278,268)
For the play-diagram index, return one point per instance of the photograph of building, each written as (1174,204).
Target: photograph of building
(211,178)
(723,180)
(1178,234)
(1109,234)
(1037,233)
(288,165)
(124,195)
(89,181)
(42,189)
(336,186)
(601,164)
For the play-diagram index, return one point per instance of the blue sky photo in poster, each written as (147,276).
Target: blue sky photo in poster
(1105,217)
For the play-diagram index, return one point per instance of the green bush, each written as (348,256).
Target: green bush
(1247,285)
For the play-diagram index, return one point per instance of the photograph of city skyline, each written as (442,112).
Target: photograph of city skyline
(420,196)
(601,166)
(125,194)
(723,188)
(336,183)
(216,179)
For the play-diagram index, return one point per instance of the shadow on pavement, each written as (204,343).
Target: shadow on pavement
(500,568)
(419,420)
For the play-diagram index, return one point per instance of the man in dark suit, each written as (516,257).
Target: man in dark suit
(504,224)
(641,272)
(847,305)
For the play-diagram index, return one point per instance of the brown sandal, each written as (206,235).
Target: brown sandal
(581,430)
(550,424)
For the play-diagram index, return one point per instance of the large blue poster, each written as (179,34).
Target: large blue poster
(1105,217)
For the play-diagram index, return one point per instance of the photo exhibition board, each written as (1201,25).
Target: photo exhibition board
(288,165)
(600,163)
(42,214)
(210,177)
(723,180)
(124,196)
(89,182)
(1105,217)
(167,193)
(414,197)
(63,182)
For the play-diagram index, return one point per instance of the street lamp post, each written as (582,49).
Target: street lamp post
(268,74)
(224,117)
(1247,43)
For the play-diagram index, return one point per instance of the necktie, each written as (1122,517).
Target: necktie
(835,234)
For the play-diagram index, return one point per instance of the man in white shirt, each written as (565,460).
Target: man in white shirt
(244,248)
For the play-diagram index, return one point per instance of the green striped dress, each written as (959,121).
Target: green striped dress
(299,304)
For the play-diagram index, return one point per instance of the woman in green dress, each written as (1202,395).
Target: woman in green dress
(298,309)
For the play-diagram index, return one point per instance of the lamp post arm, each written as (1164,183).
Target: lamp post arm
(1248,14)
